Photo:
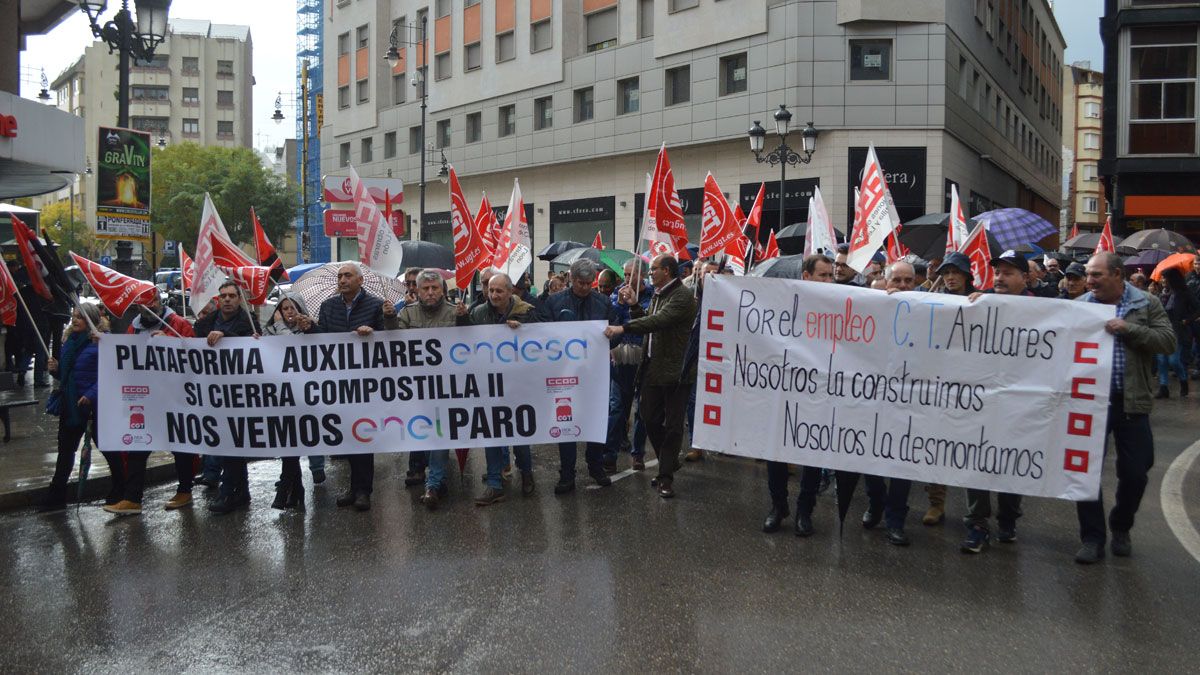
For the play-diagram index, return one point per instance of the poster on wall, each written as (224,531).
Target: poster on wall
(123,184)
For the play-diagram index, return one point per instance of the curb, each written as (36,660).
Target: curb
(95,489)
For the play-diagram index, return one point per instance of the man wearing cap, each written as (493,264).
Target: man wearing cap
(1075,282)
(1011,272)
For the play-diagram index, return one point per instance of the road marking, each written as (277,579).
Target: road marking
(626,474)
(1172,500)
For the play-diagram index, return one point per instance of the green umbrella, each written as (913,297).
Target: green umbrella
(612,258)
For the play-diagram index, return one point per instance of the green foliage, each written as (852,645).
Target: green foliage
(56,219)
(234,178)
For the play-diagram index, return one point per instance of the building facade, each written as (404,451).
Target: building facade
(197,89)
(1083,105)
(575,97)
(1151,152)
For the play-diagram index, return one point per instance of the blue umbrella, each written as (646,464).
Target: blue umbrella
(294,273)
(1013,227)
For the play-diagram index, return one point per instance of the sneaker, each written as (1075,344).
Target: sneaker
(124,508)
(527,484)
(430,499)
(228,504)
(180,500)
(490,496)
(601,478)
(1090,553)
(977,540)
(1007,534)
(318,476)
(1122,547)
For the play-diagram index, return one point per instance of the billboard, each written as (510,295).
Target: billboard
(123,184)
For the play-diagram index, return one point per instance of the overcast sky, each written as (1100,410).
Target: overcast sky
(1079,21)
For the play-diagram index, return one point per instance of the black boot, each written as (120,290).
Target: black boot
(1163,392)
(282,496)
(295,498)
(1183,388)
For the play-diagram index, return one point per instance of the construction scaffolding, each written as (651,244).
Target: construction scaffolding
(310,98)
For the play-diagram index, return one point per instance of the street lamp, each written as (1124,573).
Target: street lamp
(130,40)
(783,155)
(305,247)
(392,56)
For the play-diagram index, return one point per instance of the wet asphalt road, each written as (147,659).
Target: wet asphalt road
(613,580)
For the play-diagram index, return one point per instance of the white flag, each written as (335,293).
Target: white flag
(956,229)
(820,237)
(514,252)
(378,247)
(877,214)
(207,278)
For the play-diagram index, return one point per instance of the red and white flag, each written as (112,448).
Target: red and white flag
(514,252)
(378,247)
(876,214)
(820,236)
(976,249)
(207,277)
(956,227)
(719,224)
(114,289)
(893,250)
(470,253)
(665,227)
(187,268)
(254,280)
(772,248)
(265,252)
(33,265)
(488,227)
(598,243)
(735,255)
(1106,245)
(8,297)
(228,256)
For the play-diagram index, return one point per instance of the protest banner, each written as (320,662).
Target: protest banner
(1006,393)
(396,391)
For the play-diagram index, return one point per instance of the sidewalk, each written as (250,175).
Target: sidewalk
(28,460)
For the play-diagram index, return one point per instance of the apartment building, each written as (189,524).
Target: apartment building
(1083,106)
(575,97)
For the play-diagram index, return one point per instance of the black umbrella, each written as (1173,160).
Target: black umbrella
(1165,240)
(426,254)
(845,482)
(926,236)
(783,267)
(558,248)
(791,238)
(1087,241)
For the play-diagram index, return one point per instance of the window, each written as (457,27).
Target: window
(441,66)
(389,145)
(191,96)
(472,56)
(1091,109)
(645,19)
(363,91)
(362,36)
(678,87)
(601,29)
(155,125)
(505,47)
(627,96)
(1091,205)
(1162,97)
(470,3)
(225,98)
(344,96)
(443,134)
(442,8)
(368,150)
(145,93)
(344,154)
(870,60)
(1090,172)
(543,113)
(507,120)
(677,5)
(414,140)
(474,127)
(1091,141)
(191,127)
(224,69)
(398,90)
(343,44)
(733,74)
(191,65)
(584,104)
(159,62)
(540,37)
(224,129)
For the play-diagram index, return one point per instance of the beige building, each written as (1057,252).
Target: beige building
(574,97)
(197,88)
(1083,106)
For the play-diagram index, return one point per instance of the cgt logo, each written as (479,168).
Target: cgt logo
(418,428)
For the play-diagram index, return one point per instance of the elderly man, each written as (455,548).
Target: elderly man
(1075,282)
(664,379)
(626,357)
(353,310)
(900,276)
(578,302)
(502,307)
(1140,330)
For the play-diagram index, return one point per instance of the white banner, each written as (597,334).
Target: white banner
(1007,393)
(396,391)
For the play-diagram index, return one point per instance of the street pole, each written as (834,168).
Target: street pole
(782,184)
(424,93)
(304,159)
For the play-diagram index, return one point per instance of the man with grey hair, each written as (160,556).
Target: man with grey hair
(900,276)
(578,302)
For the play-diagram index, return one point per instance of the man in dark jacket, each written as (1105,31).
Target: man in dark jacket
(664,382)
(352,310)
(232,319)
(578,302)
(626,358)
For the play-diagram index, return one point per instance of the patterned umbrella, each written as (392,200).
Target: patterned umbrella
(320,284)
(1013,227)
(1165,240)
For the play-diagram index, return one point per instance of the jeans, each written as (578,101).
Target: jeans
(210,468)
(891,495)
(1166,362)
(620,403)
(1135,456)
(497,458)
(593,455)
(979,509)
(435,479)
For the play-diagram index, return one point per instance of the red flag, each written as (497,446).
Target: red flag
(114,289)
(718,222)
(469,250)
(37,274)
(8,297)
(228,256)
(265,252)
(893,250)
(755,218)
(187,267)
(735,253)
(254,279)
(487,227)
(976,248)
(876,214)
(1106,245)
(772,248)
(664,212)
(1074,231)
(598,243)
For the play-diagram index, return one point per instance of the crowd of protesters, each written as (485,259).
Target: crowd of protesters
(653,328)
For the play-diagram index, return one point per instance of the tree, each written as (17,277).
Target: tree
(234,178)
(78,237)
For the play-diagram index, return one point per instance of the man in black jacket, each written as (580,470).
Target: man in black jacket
(578,302)
(232,319)
(352,310)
